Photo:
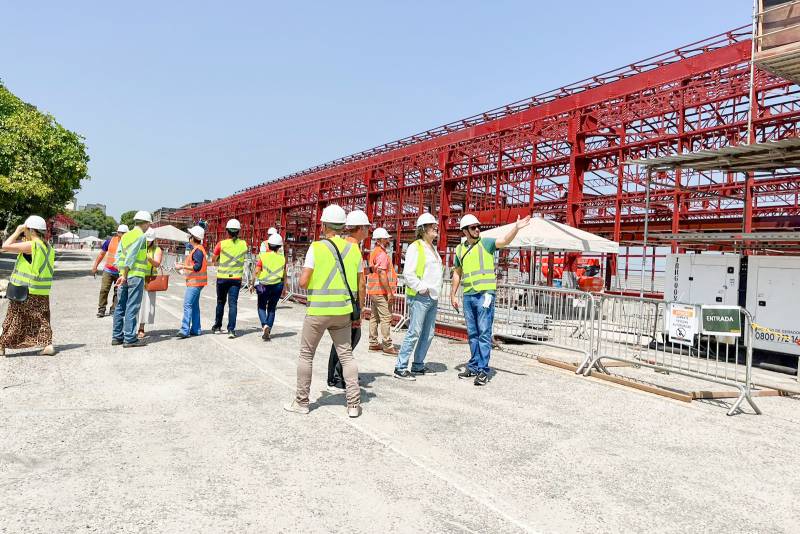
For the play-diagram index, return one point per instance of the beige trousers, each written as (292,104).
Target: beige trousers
(381,314)
(314,327)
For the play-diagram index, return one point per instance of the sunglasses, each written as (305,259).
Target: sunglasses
(474,227)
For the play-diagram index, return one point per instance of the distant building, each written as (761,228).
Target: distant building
(101,207)
(164,216)
(72,205)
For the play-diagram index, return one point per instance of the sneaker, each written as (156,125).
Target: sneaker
(101,314)
(336,386)
(181,335)
(294,407)
(353,411)
(116,342)
(137,343)
(422,371)
(390,351)
(216,329)
(375,348)
(405,374)
(49,350)
(265,335)
(231,334)
(481,379)
(466,373)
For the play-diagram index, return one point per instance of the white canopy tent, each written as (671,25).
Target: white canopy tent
(545,234)
(67,236)
(170,233)
(91,239)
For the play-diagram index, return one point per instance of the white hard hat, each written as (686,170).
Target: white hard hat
(143,216)
(468,220)
(275,239)
(34,222)
(333,213)
(233,224)
(426,218)
(150,235)
(123,228)
(381,233)
(357,218)
(198,232)
(272,230)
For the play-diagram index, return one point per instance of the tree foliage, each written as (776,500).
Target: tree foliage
(42,163)
(127,218)
(95,219)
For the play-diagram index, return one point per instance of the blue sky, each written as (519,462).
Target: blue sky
(181,101)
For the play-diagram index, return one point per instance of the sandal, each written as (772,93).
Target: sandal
(140,334)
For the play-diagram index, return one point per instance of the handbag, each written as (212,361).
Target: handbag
(355,315)
(159,282)
(17,293)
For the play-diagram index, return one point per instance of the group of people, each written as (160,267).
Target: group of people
(334,273)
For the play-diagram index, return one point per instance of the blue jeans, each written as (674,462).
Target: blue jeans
(421,323)
(190,325)
(479,330)
(126,314)
(227,290)
(268,297)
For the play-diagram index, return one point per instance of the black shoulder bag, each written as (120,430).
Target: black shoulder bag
(355,315)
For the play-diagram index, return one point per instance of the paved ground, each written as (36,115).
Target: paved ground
(190,436)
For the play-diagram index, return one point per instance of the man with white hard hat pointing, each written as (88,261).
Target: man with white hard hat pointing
(133,267)
(474,269)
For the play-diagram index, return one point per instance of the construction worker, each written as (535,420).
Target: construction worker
(196,270)
(381,287)
(229,255)
(269,282)
(357,226)
(264,245)
(330,273)
(133,267)
(110,272)
(474,268)
(27,321)
(147,313)
(423,274)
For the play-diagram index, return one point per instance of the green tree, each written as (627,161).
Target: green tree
(127,218)
(95,219)
(42,163)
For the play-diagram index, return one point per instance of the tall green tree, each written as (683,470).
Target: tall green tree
(127,218)
(95,219)
(42,163)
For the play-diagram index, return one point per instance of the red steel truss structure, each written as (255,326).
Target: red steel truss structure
(561,154)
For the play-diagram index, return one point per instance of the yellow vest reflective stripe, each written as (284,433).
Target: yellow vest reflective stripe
(327,292)
(151,253)
(37,275)
(420,270)
(477,268)
(231,258)
(140,268)
(272,265)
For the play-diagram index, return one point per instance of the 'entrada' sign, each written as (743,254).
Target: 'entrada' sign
(721,320)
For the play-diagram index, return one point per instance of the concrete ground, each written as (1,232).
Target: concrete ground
(190,436)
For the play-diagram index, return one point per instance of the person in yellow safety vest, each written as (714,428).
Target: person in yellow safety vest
(110,272)
(332,283)
(27,321)
(357,226)
(381,287)
(147,314)
(423,274)
(229,255)
(270,278)
(133,267)
(474,270)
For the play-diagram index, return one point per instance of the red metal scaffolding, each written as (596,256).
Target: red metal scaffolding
(559,154)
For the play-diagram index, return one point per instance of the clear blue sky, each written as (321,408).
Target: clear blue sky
(181,101)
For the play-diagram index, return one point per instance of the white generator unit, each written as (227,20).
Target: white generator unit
(773,299)
(702,278)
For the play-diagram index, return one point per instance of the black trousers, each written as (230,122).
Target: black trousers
(334,366)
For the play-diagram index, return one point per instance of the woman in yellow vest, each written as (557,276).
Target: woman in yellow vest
(27,323)
(474,269)
(331,291)
(269,281)
(229,255)
(147,314)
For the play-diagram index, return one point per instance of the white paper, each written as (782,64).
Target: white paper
(487,300)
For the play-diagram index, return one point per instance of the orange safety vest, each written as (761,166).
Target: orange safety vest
(111,253)
(199,278)
(374,286)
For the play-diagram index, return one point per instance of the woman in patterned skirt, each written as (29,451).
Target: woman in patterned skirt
(27,323)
